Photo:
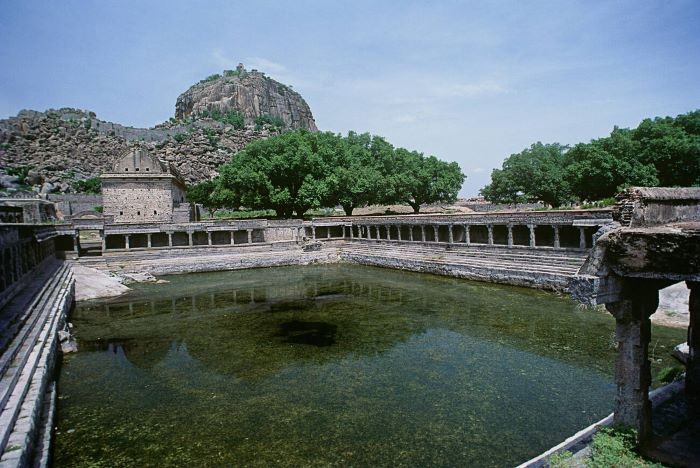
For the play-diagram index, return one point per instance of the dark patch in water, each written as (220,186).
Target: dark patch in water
(293,305)
(319,334)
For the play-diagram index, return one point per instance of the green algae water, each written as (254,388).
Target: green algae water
(332,365)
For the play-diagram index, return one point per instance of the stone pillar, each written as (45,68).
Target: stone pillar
(582,238)
(208,237)
(490,229)
(510,235)
(398,232)
(170,239)
(343,231)
(369,231)
(379,235)
(632,367)
(250,235)
(126,241)
(352,232)
(231,236)
(388,231)
(410,232)
(531,227)
(76,243)
(467,238)
(422,233)
(557,244)
(451,238)
(148,240)
(104,241)
(313,231)
(189,239)
(328,232)
(692,372)
(436,232)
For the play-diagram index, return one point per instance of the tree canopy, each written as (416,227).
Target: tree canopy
(661,151)
(298,170)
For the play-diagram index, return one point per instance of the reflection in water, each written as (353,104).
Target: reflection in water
(329,365)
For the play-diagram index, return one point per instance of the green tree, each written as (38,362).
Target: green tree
(420,179)
(202,193)
(287,173)
(357,178)
(603,167)
(535,174)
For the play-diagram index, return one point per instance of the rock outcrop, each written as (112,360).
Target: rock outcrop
(249,92)
(49,151)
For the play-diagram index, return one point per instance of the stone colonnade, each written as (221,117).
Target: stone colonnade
(508,234)
(182,238)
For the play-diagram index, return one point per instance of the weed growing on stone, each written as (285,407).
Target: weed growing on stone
(616,447)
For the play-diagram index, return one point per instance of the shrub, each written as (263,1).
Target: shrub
(561,460)
(213,77)
(669,374)
(99,208)
(92,185)
(21,172)
(615,447)
(267,119)
(180,137)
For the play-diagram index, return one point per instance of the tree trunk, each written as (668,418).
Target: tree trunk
(415,206)
(348,209)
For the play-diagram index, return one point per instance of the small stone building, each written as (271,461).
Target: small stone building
(143,189)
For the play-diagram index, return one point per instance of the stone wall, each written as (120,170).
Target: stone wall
(73,203)
(23,250)
(134,200)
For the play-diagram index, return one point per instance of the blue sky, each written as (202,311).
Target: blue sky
(470,82)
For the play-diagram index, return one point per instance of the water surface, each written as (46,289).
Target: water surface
(332,365)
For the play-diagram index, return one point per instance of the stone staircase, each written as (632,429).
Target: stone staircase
(189,260)
(550,269)
(29,326)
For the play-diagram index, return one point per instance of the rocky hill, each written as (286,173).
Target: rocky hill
(49,151)
(251,93)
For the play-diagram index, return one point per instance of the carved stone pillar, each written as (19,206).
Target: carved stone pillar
(436,231)
(250,235)
(490,229)
(531,227)
(582,238)
(510,235)
(692,372)
(189,235)
(126,241)
(379,234)
(352,233)
(148,240)
(343,226)
(422,233)
(632,367)
(450,234)
(208,237)
(328,232)
(410,232)
(557,244)
(398,232)
(467,238)
(313,232)
(170,239)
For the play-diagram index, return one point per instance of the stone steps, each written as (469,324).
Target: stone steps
(440,258)
(26,366)
(525,259)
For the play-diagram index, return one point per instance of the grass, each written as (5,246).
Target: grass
(616,447)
